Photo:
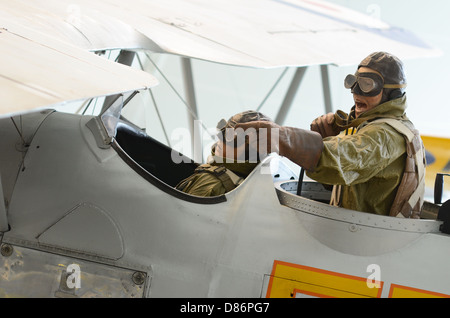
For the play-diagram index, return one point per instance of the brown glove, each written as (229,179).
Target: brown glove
(325,125)
(301,146)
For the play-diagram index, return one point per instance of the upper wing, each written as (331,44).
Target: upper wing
(36,71)
(78,24)
(255,33)
(44,60)
(266,33)
(44,44)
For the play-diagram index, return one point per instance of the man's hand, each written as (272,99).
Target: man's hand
(325,125)
(301,146)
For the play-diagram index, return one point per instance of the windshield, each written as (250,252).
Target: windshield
(110,117)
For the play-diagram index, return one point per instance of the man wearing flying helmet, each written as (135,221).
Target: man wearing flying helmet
(230,162)
(378,164)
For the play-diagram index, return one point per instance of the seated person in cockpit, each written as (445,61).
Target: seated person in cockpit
(226,167)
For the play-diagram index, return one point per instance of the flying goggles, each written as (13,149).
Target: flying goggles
(367,84)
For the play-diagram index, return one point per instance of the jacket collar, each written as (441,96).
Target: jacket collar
(391,108)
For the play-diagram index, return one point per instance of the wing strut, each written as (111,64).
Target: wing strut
(125,58)
(194,126)
(290,94)
(326,88)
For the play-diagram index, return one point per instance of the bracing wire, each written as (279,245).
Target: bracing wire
(193,114)
(273,88)
(154,103)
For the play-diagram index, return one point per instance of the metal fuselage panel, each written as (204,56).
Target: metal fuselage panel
(88,205)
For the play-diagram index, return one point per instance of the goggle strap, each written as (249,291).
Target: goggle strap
(394,85)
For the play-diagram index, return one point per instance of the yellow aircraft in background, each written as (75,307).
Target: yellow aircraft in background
(438,159)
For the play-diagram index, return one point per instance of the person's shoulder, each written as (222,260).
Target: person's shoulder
(383,123)
(384,132)
(204,183)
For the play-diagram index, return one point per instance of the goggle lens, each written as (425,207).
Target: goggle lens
(367,84)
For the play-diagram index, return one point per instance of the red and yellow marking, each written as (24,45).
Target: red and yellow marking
(288,279)
(398,291)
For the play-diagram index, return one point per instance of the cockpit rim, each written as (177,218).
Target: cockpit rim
(310,206)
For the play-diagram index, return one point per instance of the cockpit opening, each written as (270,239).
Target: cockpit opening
(152,155)
(153,161)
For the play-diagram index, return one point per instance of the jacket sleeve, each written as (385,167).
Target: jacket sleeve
(354,159)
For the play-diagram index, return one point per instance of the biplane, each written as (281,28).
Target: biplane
(88,203)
